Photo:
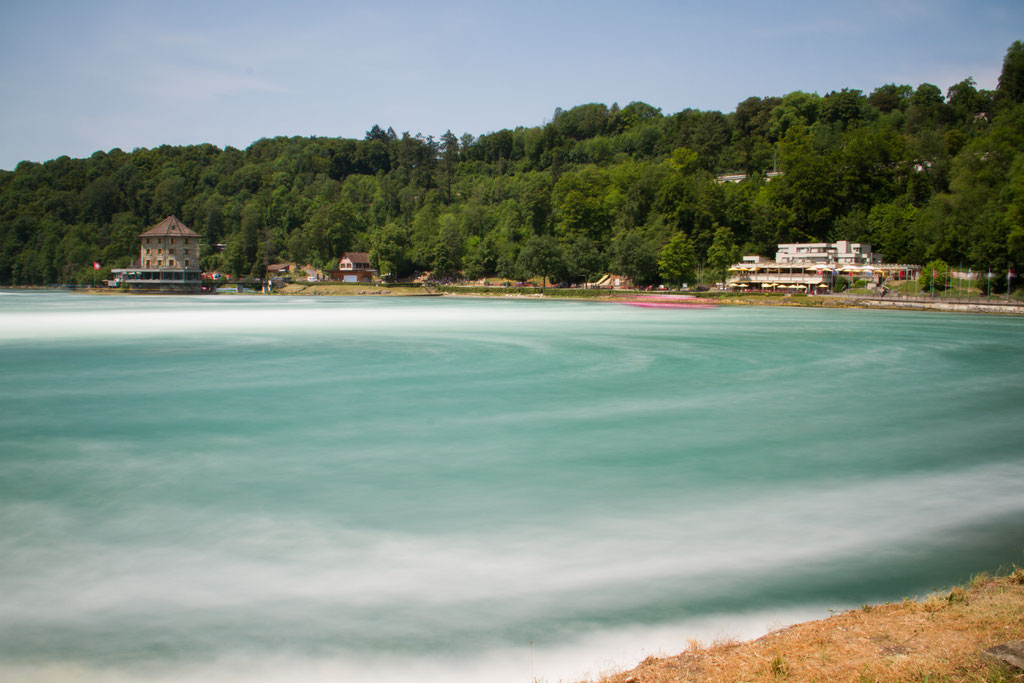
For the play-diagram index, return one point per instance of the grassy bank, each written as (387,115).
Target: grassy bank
(939,638)
(350,289)
(976,305)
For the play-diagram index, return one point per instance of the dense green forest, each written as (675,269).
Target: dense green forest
(918,174)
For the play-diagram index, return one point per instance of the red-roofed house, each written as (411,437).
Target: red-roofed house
(354,266)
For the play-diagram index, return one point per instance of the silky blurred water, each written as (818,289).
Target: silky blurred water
(218,488)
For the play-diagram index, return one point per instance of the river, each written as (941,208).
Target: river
(438,489)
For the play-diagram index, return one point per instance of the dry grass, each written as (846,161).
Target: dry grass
(346,289)
(937,639)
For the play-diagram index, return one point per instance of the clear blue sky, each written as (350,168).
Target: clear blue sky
(76,77)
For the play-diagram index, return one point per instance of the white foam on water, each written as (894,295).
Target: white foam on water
(147,560)
(343,316)
(585,657)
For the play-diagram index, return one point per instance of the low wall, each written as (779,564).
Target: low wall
(1012,308)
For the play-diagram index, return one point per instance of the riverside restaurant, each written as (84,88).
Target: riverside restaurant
(813,269)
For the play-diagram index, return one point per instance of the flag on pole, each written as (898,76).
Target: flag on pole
(95,265)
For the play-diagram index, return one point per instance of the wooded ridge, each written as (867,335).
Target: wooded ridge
(919,174)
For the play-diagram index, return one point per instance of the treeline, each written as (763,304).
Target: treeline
(919,174)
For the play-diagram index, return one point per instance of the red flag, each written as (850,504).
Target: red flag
(95,265)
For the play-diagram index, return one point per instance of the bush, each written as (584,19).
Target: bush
(936,271)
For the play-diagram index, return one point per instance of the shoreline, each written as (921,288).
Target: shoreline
(716,299)
(646,299)
(944,636)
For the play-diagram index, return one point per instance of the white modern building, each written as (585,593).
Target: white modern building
(842,252)
(813,268)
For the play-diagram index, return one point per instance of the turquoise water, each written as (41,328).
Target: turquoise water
(231,488)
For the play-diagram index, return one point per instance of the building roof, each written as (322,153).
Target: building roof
(356,256)
(170,227)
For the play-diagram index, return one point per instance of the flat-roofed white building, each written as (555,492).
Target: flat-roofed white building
(842,252)
(813,267)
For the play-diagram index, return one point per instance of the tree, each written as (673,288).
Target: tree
(580,207)
(635,257)
(843,107)
(447,248)
(934,276)
(806,199)
(542,255)
(582,259)
(890,97)
(1011,80)
(797,109)
(722,253)
(752,122)
(449,157)
(927,108)
(965,99)
(677,260)
(235,260)
(389,250)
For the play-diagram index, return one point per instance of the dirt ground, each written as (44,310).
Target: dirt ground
(940,638)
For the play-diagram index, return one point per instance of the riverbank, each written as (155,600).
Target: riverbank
(940,638)
(1000,306)
(703,299)
(980,305)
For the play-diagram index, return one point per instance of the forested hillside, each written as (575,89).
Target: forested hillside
(917,173)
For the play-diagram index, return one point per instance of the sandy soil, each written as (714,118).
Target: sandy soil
(940,638)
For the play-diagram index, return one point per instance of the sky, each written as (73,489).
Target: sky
(78,77)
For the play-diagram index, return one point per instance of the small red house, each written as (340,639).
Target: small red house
(354,266)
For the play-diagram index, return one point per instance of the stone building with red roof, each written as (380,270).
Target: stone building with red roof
(168,259)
